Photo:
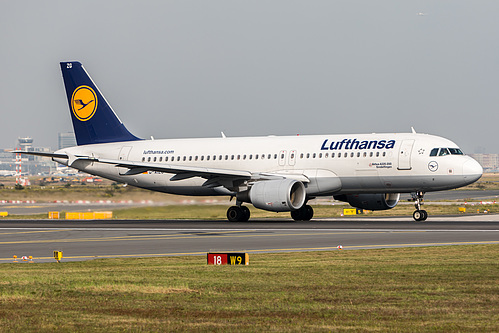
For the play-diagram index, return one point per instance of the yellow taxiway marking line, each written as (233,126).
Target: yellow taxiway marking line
(196,235)
(297,249)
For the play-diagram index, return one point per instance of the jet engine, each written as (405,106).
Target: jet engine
(282,195)
(379,201)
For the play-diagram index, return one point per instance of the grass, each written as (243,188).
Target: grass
(215,212)
(218,212)
(453,288)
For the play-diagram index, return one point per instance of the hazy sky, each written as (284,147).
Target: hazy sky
(175,69)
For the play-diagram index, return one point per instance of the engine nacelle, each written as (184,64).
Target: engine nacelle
(379,201)
(276,195)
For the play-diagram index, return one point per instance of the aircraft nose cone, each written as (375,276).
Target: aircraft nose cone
(472,171)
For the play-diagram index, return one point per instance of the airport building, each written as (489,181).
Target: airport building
(66,140)
(30,165)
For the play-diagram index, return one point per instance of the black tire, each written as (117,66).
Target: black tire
(235,214)
(420,215)
(309,213)
(246,213)
(305,213)
(297,215)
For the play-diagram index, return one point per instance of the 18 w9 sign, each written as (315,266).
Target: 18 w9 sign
(228,259)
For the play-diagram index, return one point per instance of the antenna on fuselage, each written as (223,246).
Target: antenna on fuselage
(223,135)
(413,130)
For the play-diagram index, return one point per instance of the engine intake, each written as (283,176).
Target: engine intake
(276,195)
(379,201)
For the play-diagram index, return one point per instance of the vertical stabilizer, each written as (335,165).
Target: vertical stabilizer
(94,121)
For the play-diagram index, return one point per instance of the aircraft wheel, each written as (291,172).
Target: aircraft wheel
(309,213)
(420,215)
(246,213)
(296,215)
(237,214)
(305,213)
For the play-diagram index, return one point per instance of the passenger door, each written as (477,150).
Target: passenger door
(405,155)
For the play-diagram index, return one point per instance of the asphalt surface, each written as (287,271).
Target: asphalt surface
(85,240)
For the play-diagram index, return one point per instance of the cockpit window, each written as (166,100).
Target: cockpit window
(443,152)
(455,151)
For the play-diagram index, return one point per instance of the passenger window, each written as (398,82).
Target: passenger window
(339,155)
(202,157)
(275,156)
(178,158)
(190,158)
(320,155)
(226,157)
(263,156)
(365,154)
(166,159)
(250,157)
(238,157)
(434,152)
(195,158)
(384,153)
(371,154)
(326,155)
(256,156)
(185,158)
(244,157)
(332,155)
(308,155)
(207,157)
(313,156)
(292,155)
(377,154)
(232,157)
(143,159)
(161,158)
(358,154)
(443,152)
(351,155)
(149,159)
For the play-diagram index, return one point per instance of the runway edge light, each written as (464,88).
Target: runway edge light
(227,259)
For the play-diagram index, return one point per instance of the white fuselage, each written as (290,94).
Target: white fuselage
(333,164)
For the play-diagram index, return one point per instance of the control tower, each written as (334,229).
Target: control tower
(25,143)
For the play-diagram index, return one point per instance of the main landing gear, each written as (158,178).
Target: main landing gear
(305,213)
(238,214)
(419,214)
(241,213)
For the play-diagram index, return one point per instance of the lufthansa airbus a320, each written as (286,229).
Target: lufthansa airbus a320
(275,173)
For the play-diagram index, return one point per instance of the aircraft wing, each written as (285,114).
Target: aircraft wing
(215,177)
(37,153)
(180,171)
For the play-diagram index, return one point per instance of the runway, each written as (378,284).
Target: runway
(85,240)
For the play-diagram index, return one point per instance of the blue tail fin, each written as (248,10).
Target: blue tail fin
(94,121)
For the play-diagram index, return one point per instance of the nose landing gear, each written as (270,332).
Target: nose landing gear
(419,214)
